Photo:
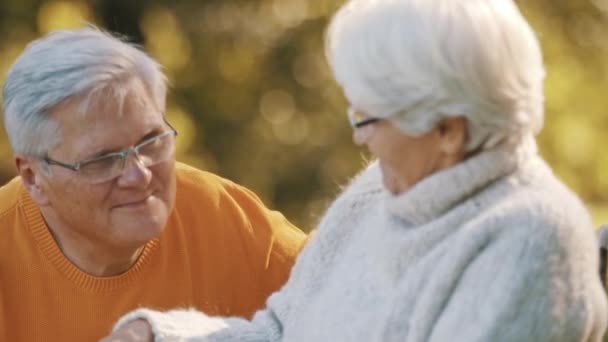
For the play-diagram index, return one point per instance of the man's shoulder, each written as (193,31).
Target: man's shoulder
(209,199)
(201,189)
(9,196)
(10,216)
(191,181)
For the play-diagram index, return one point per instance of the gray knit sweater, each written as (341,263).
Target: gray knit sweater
(492,249)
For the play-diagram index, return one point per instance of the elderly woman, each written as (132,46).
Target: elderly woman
(459,231)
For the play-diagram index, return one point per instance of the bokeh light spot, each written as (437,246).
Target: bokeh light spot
(55,15)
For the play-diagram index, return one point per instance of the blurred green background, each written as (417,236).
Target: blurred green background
(254,101)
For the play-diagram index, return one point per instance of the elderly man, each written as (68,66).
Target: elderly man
(101,219)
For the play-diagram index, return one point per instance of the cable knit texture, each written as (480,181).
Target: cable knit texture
(492,249)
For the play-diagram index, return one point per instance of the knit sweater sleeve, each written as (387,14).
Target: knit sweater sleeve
(267,325)
(192,325)
(529,282)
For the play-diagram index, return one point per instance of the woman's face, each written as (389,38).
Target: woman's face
(404,160)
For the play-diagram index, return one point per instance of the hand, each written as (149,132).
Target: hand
(135,331)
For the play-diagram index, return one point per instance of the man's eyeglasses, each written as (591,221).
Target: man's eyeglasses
(152,151)
(358,120)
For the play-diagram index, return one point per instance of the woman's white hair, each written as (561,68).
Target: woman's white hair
(64,65)
(418,61)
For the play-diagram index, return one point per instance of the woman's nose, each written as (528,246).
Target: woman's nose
(360,135)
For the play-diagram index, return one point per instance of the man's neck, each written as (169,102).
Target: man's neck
(90,256)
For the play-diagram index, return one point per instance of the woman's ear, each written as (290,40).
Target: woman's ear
(32,179)
(453,136)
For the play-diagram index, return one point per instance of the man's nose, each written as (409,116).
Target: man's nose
(135,173)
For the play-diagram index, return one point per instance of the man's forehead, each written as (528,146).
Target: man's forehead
(78,118)
(124,98)
(106,118)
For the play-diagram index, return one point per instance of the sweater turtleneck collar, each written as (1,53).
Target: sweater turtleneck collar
(436,194)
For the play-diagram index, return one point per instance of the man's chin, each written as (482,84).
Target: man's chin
(142,227)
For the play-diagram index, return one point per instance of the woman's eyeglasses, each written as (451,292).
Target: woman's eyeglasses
(358,120)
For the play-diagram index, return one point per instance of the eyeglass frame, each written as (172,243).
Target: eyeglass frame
(350,112)
(124,153)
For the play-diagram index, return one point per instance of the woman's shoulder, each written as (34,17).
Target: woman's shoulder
(535,203)
(357,201)
(367,183)
(360,193)
(547,198)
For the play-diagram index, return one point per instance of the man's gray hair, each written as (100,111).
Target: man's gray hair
(418,61)
(68,64)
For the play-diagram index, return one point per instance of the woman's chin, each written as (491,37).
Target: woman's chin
(392,185)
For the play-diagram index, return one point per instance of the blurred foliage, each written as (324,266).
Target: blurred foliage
(254,101)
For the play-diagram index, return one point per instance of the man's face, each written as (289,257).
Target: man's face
(124,212)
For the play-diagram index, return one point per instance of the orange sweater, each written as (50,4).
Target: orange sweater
(222,252)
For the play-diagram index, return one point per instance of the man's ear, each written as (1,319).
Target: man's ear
(453,136)
(32,179)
